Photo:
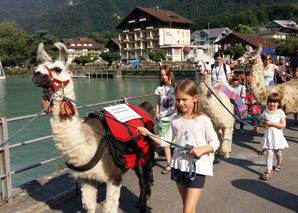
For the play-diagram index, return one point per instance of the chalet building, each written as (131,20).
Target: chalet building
(113,45)
(146,29)
(207,37)
(272,34)
(278,24)
(81,47)
(239,39)
(290,30)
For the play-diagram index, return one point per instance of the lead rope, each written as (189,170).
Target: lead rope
(29,122)
(187,147)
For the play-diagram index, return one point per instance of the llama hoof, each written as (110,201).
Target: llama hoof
(226,155)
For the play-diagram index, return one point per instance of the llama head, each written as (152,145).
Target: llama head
(51,73)
(203,69)
(250,56)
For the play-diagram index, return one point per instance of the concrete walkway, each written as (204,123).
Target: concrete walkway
(235,186)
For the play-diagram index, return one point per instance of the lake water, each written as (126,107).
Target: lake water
(19,97)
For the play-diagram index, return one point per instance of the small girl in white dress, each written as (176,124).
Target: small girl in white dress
(273,140)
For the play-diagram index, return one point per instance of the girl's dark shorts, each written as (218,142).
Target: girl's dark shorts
(183,177)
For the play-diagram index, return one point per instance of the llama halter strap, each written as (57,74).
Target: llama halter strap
(54,80)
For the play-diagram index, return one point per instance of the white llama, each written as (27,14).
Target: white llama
(222,120)
(78,141)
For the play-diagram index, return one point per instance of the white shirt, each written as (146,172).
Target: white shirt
(269,76)
(196,132)
(167,101)
(218,73)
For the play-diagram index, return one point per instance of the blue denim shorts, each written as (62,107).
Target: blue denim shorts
(183,177)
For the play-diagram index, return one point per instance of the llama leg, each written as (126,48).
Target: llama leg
(145,175)
(112,198)
(89,195)
(227,142)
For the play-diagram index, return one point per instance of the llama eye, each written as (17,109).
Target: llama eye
(58,70)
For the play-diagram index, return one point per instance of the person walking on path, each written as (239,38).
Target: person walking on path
(238,88)
(253,111)
(220,71)
(165,106)
(273,140)
(193,128)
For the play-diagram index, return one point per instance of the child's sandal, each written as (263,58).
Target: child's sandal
(277,168)
(266,176)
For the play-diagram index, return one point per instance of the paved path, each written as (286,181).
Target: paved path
(235,186)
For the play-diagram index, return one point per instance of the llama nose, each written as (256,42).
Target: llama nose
(36,73)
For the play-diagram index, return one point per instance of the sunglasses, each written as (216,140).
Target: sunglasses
(267,59)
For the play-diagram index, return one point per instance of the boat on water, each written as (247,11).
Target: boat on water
(2,74)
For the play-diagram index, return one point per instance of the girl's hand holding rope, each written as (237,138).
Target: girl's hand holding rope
(145,132)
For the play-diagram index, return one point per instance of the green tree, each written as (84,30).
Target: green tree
(35,40)
(243,29)
(287,48)
(235,52)
(157,57)
(102,37)
(84,59)
(110,57)
(12,44)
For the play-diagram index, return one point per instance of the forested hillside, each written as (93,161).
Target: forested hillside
(86,16)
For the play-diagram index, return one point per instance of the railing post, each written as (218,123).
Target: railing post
(5,162)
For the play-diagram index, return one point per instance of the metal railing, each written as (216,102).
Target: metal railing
(6,173)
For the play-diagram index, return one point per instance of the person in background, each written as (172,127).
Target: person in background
(165,106)
(238,88)
(270,70)
(273,140)
(193,128)
(232,68)
(278,78)
(293,72)
(253,111)
(220,71)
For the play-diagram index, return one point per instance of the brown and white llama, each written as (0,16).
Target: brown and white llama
(260,91)
(222,120)
(78,141)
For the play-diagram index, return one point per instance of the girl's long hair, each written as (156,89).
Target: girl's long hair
(169,73)
(275,97)
(188,87)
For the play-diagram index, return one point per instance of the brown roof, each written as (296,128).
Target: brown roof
(163,15)
(166,15)
(251,39)
(116,41)
(81,41)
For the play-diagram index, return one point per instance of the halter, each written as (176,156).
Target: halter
(206,72)
(54,80)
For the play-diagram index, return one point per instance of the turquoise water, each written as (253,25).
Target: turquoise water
(19,97)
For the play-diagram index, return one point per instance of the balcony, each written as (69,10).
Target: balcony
(142,19)
(138,39)
(131,21)
(150,47)
(126,40)
(150,27)
(126,48)
(149,37)
(137,29)
(126,31)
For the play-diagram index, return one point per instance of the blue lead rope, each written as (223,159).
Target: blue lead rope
(248,124)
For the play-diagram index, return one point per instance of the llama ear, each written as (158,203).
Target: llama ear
(63,52)
(41,53)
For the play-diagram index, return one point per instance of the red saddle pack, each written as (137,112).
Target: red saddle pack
(128,148)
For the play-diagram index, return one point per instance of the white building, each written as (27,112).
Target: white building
(146,29)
